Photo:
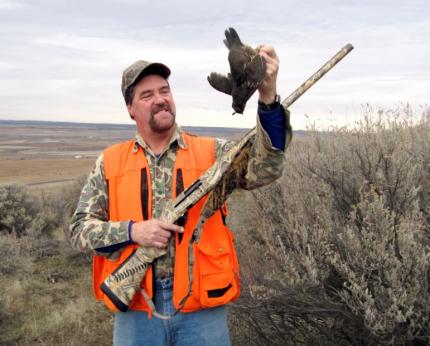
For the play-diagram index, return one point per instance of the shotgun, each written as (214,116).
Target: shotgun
(124,282)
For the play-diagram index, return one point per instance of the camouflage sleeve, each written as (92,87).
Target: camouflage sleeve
(90,228)
(265,163)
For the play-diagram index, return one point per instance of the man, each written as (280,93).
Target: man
(120,205)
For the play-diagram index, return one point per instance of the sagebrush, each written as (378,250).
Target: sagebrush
(340,244)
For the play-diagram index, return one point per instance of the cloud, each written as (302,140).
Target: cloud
(10,5)
(63,60)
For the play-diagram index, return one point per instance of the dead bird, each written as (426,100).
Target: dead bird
(247,71)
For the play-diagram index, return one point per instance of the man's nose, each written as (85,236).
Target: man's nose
(158,98)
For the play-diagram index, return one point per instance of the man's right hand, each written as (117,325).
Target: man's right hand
(153,232)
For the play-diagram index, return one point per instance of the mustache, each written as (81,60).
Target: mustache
(161,107)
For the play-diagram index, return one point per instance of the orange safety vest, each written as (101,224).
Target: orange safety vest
(215,272)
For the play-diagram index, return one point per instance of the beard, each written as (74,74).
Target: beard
(162,123)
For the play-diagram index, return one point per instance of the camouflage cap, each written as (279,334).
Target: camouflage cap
(131,73)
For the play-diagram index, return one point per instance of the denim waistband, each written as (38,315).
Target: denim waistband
(164,283)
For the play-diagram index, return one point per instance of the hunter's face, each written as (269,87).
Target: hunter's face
(152,106)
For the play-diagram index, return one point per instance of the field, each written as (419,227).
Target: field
(44,155)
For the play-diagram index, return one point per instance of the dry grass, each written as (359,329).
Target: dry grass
(49,302)
(33,171)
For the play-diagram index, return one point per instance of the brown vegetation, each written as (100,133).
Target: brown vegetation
(340,244)
(335,253)
(45,284)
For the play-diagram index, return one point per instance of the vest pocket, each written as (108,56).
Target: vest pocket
(218,282)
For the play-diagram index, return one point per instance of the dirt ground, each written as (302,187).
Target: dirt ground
(48,155)
(45,155)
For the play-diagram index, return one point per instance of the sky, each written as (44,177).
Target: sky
(63,60)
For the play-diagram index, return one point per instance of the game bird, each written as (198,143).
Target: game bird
(247,71)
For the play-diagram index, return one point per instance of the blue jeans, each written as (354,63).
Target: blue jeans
(204,327)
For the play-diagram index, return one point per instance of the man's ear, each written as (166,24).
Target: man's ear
(129,111)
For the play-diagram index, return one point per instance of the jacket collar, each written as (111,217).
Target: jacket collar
(177,138)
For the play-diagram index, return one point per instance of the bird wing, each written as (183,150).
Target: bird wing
(220,82)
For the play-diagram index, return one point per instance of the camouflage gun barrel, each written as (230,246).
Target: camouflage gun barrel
(125,281)
(317,76)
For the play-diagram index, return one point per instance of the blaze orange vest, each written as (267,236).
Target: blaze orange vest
(215,271)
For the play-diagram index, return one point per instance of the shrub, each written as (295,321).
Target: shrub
(57,209)
(340,244)
(17,209)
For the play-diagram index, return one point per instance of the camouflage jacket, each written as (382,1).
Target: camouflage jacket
(90,227)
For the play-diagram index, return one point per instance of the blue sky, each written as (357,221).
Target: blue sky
(63,60)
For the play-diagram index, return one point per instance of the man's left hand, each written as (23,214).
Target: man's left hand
(267,89)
